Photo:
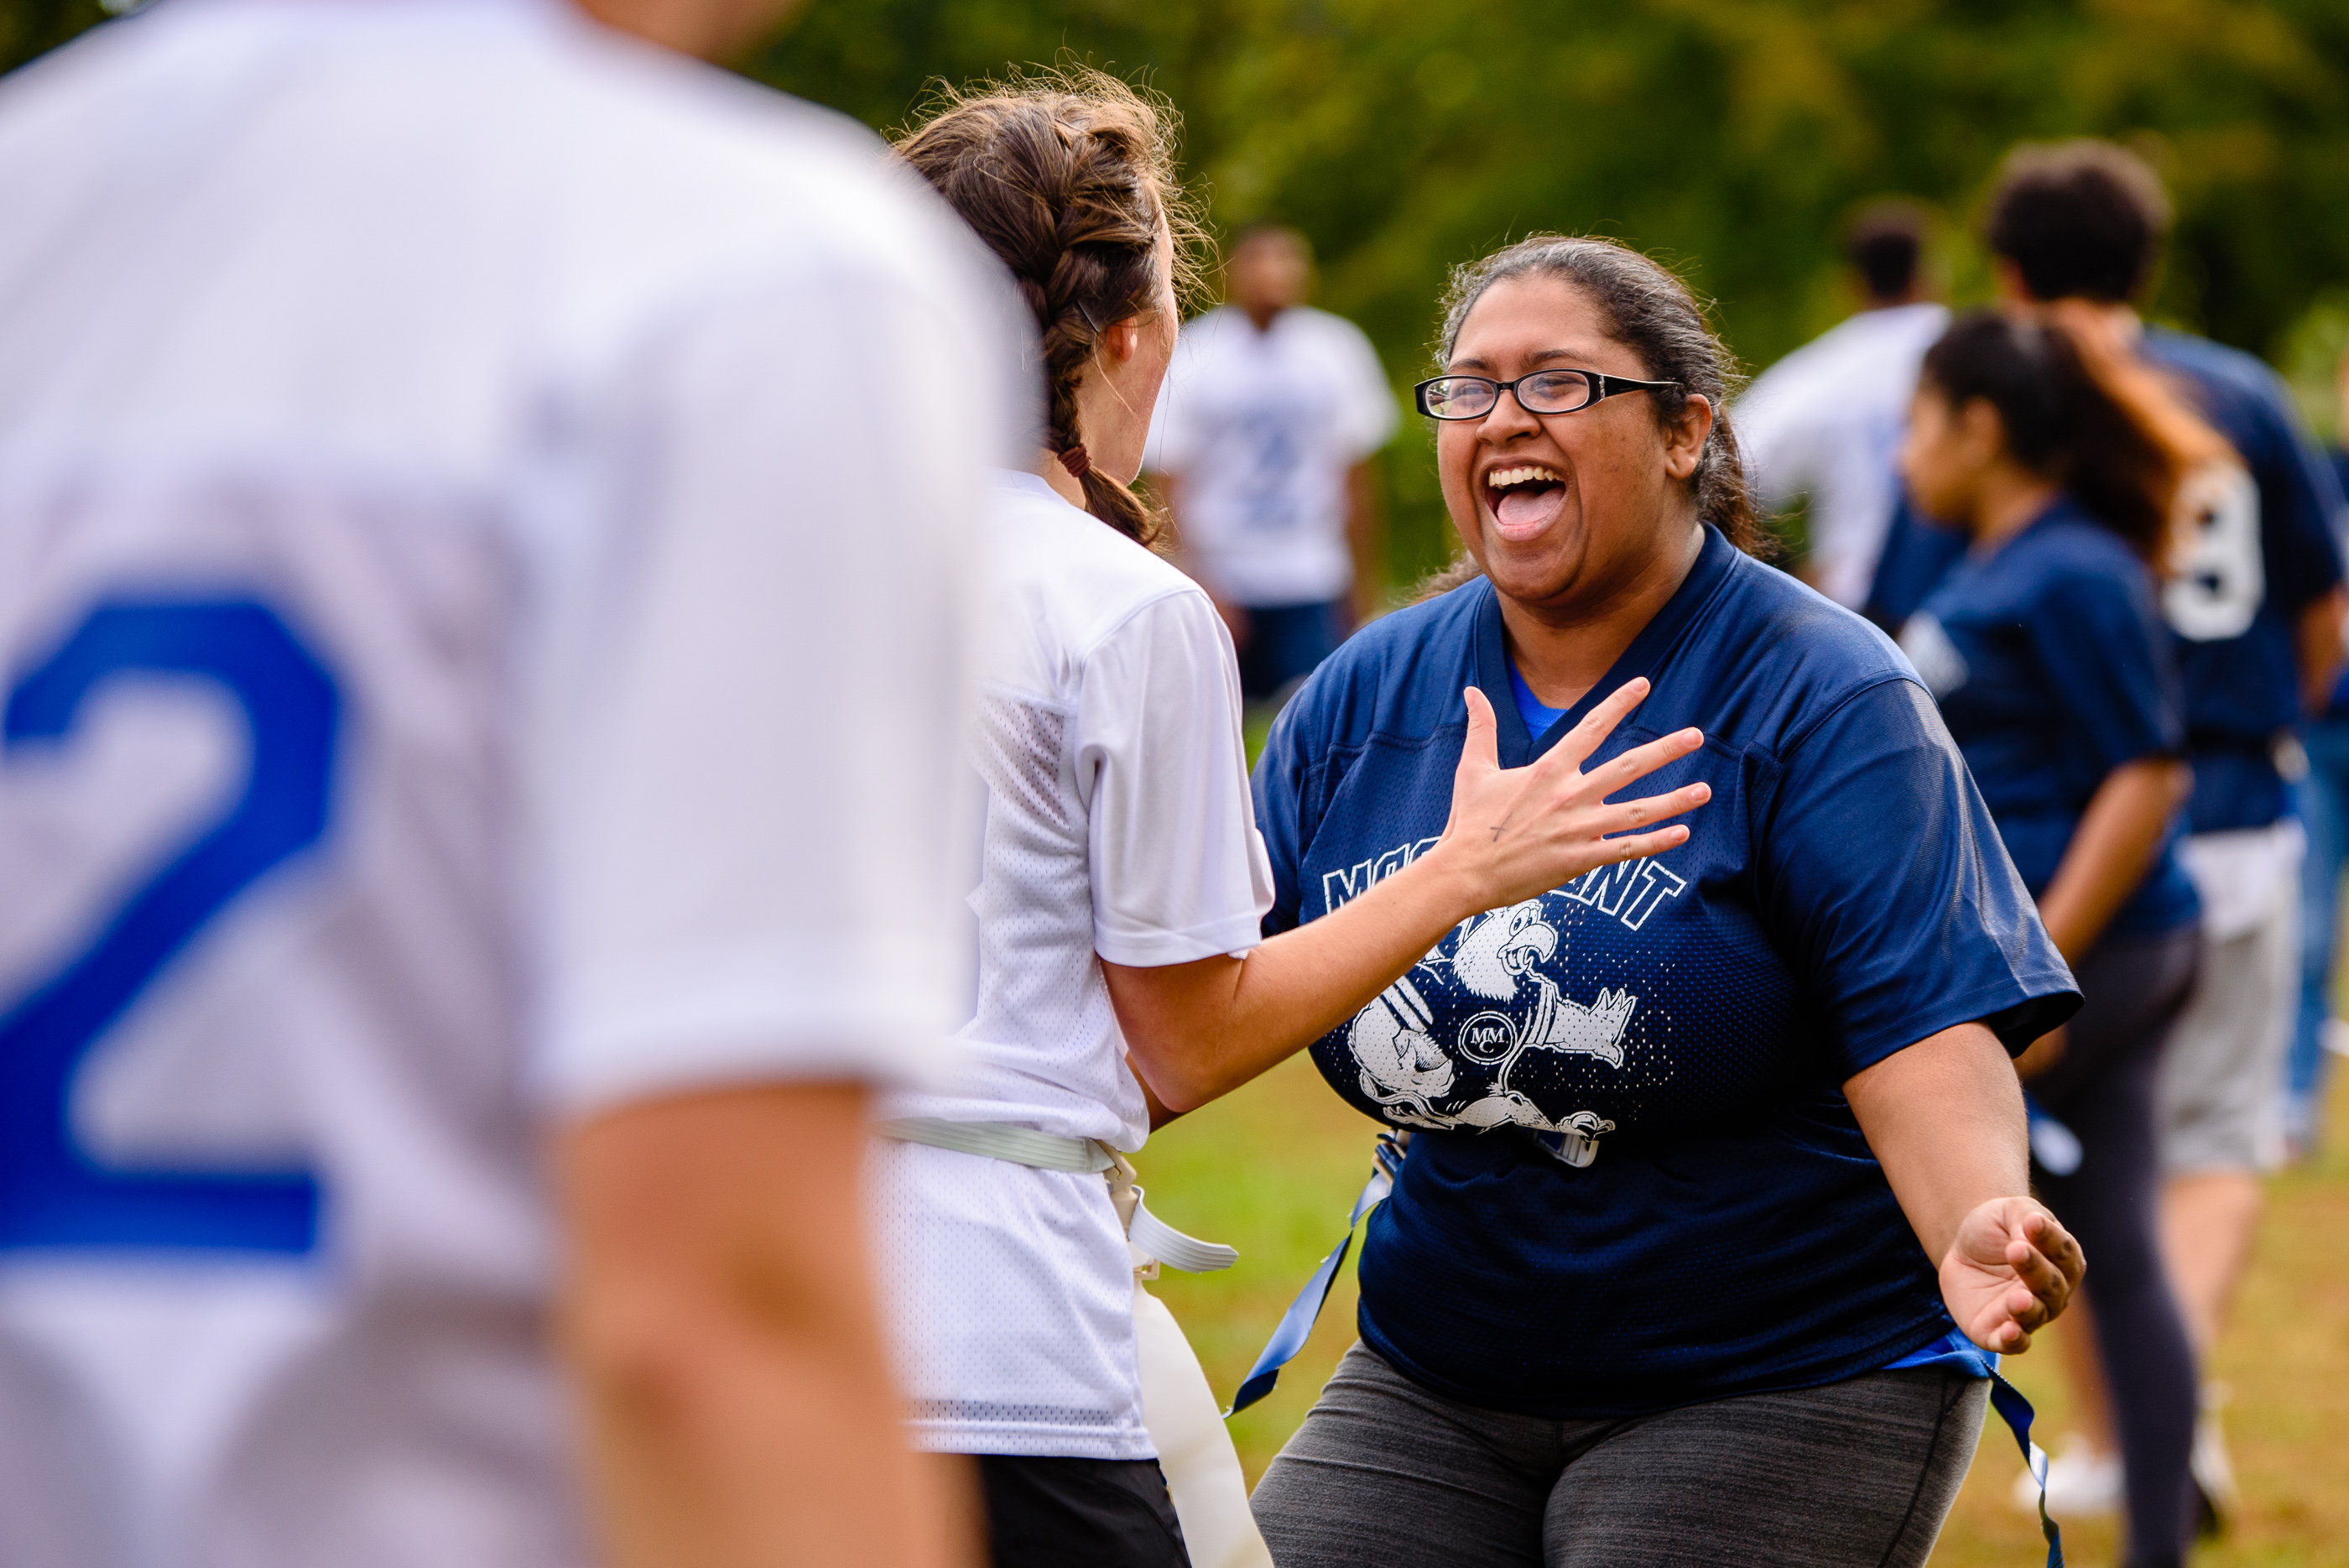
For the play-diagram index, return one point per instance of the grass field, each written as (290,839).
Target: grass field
(1273,1168)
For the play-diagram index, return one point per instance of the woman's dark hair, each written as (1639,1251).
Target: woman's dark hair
(2080,411)
(1069,176)
(1883,242)
(1652,314)
(2079,218)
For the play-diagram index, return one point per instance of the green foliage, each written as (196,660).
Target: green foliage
(30,27)
(1729,137)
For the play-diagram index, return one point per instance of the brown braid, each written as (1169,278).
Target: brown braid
(1069,176)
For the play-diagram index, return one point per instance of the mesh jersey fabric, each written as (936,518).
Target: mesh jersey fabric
(439,584)
(1843,895)
(1261,429)
(1117,824)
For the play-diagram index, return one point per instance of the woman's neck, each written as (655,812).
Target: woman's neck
(1562,652)
(2010,499)
(1066,485)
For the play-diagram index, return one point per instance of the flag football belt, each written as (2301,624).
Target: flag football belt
(1297,1325)
(1144,1231)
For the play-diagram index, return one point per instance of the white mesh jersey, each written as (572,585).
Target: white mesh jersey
(444,521)
(1118,824)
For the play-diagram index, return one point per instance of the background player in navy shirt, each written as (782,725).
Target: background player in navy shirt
(1649,1286)
(2256,610)
(2048,656)
(2323,801)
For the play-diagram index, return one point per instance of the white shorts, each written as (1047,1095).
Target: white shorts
(2221,1091)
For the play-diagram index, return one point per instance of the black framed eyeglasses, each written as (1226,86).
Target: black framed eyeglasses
(1537,392)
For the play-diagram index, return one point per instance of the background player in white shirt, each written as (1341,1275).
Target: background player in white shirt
(1824,425)
(441,517)
(1262,446)
(1123,882)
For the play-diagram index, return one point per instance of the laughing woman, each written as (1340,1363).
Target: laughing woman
(1720,1164)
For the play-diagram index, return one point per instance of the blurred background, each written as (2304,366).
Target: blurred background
(1729,137)
(1732,138)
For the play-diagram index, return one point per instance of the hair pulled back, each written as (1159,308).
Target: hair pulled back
(1069,176)
(1652,314)
(2077,410)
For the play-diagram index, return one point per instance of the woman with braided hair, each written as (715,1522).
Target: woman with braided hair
(1121,970)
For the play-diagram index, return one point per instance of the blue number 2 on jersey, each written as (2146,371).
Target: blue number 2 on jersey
(53,1194)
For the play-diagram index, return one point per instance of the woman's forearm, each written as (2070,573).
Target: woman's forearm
(2118,837)
(1198,1031)
(1945,1120)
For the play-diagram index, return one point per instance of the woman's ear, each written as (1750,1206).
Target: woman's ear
(1122,339)
(1685,433)
(1982,431)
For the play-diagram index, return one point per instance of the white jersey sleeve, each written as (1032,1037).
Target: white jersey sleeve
(752,814)
(1179,871)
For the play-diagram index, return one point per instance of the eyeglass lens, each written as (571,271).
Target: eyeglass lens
(1546,392)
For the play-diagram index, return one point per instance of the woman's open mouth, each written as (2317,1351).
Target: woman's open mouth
(1524,498)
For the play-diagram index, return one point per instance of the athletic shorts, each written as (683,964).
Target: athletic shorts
(2220,1097)
(1386,1474)
(1079,1513)
(1285,644)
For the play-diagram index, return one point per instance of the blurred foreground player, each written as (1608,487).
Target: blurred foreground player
(436,509)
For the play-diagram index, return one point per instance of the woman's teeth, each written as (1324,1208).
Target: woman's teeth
(1525,498)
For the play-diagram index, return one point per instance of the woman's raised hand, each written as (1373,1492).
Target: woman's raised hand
(1517,833)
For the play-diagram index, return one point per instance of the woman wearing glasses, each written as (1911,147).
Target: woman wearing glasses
(1719,1161)
(1121,883)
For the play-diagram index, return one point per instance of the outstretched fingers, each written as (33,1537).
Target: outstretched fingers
(1590,732)
(1641,761)
(1623,816)
(1480,749)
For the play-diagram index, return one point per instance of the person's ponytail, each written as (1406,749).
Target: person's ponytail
(2076,406)
(1068,177)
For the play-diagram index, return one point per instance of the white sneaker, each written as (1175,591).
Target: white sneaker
(2081,1482)
(2212,1470)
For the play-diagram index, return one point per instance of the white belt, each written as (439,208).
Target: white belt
(1147,1234)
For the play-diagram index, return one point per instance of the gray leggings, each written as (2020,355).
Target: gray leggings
(1386,1474)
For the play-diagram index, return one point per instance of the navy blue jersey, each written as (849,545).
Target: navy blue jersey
(2052,668)
(1917,554)
(1636,1183)
(2243,689)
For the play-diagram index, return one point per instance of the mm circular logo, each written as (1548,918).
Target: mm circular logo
(1488,1037)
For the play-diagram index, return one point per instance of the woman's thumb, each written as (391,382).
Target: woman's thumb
(1481,747)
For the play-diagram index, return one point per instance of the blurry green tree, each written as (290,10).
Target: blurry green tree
(1728,135)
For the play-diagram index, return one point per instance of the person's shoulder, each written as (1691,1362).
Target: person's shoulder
(1769,655)
(1399,674)
(2069,553)
(1208,331)
(2229,375)
(1325,327)
(1063,565)
(1818,369)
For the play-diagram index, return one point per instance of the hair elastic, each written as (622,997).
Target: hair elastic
(1074,459)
